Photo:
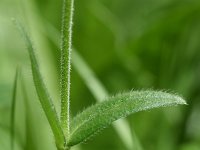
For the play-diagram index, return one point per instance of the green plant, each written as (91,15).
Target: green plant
(70,131)
(12,121)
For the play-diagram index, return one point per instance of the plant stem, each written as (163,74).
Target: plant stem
(66,48)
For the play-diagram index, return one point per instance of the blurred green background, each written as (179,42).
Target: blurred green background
(129,44)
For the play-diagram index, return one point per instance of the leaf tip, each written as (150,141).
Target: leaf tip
(180,100)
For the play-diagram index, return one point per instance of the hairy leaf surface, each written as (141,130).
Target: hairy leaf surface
(42,92)
(99,116)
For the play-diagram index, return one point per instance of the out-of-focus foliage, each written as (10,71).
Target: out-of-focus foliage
(128,44)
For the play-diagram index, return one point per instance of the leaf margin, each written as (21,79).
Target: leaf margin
(43,95)
(88,115)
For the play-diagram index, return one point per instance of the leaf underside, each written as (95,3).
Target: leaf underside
(95,118)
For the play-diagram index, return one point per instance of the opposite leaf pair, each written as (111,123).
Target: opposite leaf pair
(86,124)
(98,116)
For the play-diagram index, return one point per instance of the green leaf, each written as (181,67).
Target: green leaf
(12,119)
(127,135)
(42,92)
(95,118)
(29,141)
(122,128)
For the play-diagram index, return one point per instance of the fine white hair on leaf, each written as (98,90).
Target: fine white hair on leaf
(95,118)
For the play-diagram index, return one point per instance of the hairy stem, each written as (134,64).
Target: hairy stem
(66,48)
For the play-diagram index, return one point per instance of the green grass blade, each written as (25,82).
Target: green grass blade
(42,92)
(12,121)
(66,47)
(95,118)
(103,14)
(88,76)
(29,141)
